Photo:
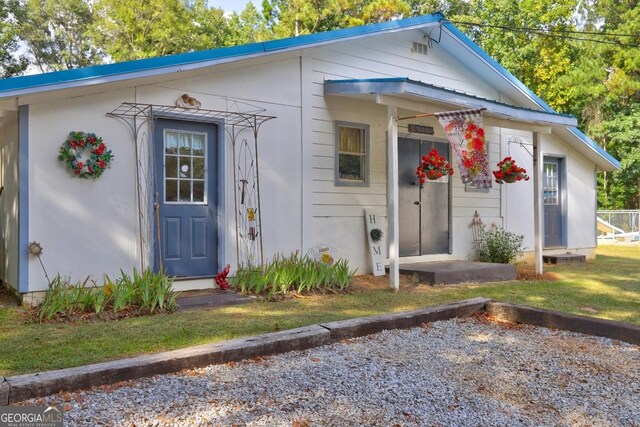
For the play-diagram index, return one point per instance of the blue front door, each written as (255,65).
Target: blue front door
(553,189)
(186,159)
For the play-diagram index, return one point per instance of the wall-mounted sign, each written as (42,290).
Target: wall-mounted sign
(423,129)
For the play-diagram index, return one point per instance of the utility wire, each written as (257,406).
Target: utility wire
(547,33)
(553,31)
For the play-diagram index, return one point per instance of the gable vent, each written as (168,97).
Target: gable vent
(420,48)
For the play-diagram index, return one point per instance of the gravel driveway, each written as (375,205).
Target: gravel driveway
(467,372)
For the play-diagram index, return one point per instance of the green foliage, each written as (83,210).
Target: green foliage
(57,33)
(499,245)
(10,64)
(148,292)
(295,273)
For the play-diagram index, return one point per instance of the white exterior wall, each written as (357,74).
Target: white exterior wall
(86,227)
(9,198)
(301,206)
(581,200)
(90,228)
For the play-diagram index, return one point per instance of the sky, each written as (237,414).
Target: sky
(234,5)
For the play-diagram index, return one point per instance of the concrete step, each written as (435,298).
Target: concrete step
(563,258)
(450,272)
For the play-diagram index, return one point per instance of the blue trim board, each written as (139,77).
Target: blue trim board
(23,198)
(107,70)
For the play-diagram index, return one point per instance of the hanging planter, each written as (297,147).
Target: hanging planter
(509,172)
(432,167)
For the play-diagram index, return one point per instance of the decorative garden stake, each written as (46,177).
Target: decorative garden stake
(509,172)
(89,165)
(35,249)
(432,167)
(221,278)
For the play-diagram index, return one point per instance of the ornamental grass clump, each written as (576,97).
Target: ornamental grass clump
(499,245)
(142,293)
(293,274)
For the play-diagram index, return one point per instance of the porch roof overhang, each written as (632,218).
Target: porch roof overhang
(410,94)
(412,90)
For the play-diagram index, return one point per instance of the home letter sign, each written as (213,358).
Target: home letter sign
(377,240)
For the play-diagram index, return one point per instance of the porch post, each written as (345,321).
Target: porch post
(392,197)
(537,201)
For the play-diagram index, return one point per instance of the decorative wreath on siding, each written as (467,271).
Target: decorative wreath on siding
(85,154)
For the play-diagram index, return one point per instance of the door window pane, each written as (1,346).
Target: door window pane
(185,191)
(198,168)
(185,159)
(550,184)
(171,166)
(198,145)
(171,190)
(171,142)
(198,191)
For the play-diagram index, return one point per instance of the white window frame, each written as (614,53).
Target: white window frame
(367,155)
(164,168)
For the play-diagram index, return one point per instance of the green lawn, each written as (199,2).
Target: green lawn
(608,287)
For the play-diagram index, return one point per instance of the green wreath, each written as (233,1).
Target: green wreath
(72,154)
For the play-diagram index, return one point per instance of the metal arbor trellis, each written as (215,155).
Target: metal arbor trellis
(141,119)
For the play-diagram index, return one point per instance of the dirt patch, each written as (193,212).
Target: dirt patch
(7,298)
(527,273)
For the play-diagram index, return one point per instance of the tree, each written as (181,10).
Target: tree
(132,29)
(57,33)
(210,27)
(248,27)
(9,64)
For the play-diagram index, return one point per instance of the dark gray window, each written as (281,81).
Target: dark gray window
(352,154)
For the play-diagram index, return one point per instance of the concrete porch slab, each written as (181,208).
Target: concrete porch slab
(213,300)
(450,272)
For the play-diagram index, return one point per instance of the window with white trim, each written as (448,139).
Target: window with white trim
(352,154)
(185,155)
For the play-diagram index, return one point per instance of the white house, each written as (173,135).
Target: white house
(181,192)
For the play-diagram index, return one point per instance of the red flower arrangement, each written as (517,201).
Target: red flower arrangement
(432,167)
(95,163)
(221,278)
(509,172)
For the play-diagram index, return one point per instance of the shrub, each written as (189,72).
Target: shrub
(147,292)
(294,273)
(499,245)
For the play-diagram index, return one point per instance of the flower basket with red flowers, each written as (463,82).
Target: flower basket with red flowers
(509,172)
(432,167)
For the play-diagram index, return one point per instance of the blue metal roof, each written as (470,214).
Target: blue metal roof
(142,65)
(16,86)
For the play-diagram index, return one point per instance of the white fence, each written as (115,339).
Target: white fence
(622,223)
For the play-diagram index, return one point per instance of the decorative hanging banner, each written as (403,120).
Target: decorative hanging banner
(466,136)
